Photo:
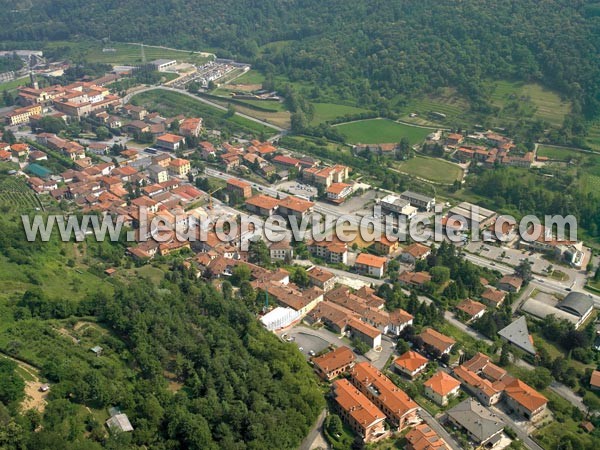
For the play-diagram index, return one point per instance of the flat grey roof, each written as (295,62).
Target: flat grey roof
(517,333)
(415,195)
(466,209)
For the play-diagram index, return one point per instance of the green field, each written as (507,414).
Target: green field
(172,103)
(518,99)
(250,77)
(433,169)
(14,84)
(125,53)
(17,196)
(593,137)
(381,131)
(559,153)
(329,111)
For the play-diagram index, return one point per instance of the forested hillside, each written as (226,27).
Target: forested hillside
(379,52)
(190,366)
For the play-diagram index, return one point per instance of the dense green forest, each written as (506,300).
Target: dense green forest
(378,52)
(189,364)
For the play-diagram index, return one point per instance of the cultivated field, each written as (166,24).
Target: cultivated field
(528,100)
(380,131)
(432,169)
(447,101)
(17,196)
(559,153)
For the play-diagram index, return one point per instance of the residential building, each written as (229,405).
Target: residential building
(333,363)
(441,387)
(525,400)
(370,265)
(410,363)
(361,415)
(191,126)
(334,251)
(158,174)
(493,297)
(22,115)
(510,283)
(170,141)
(321,278)
(454,139)
(423,437)
(281,251)
(423,202)
(415,279)
(263,205)
(487,392)
(239,188)
(400,409)
(384,246)
(295,207)
(437,342)
(338,192)
(595,380)
(135,112)
(364,332)
(481,425)
(472,309)
(326,176)
(517,334)
(179,167)
(163,160)
(415,252)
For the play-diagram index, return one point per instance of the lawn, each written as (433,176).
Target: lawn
(381,131)
(250,77)
(173,103)
(432,169)
(14,84)
(529,100)
(328,111)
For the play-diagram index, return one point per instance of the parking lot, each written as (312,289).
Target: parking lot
(509,256)
(298,188)
(308,344)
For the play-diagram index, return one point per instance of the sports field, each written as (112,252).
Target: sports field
(381,131)
(432,169)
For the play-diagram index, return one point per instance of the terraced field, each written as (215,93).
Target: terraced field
(593,137)
(529,100)
(17,196)
(446,102)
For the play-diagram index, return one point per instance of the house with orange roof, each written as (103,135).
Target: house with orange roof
(145,202)
(423,437)
(286,161)
(493,297)
(595,380)
(454,139)
(400,409)
(333,251)
(436,341)
(4,155)
(333,363)
(180,167)
(471,309)
(524,400)
(240,188)
(441,387)
(370,265)
(415,252)
(416,279)
(192,126)
(338,192)
(358,412)
(170,141)
(385,246)
(510,283)
(19,150)
(410,363)
(321,278)
(292,206)
(230,160)
(261,204)
(483,389)
(281,251)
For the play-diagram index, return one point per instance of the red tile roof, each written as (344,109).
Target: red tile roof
(410,361)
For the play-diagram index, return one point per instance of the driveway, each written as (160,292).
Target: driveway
(522,434)
(315,438)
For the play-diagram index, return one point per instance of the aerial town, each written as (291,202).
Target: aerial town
(437,342)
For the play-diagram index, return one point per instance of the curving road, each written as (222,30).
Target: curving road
(128,97)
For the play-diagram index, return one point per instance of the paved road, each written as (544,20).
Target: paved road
(315,434)
(439,429)
(128,97)
(522,434)
(568,394)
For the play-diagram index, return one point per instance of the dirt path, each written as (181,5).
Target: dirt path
(34,398)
